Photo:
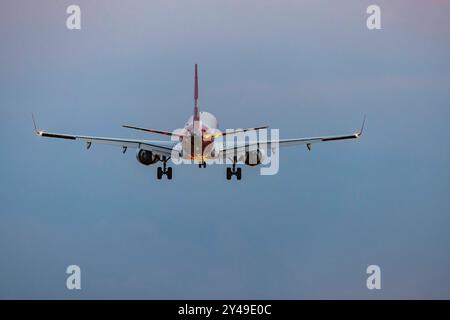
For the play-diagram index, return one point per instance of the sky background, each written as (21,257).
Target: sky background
(306,67)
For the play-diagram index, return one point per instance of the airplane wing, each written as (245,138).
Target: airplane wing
(229,150)
(163,148)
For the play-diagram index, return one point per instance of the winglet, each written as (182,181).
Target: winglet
(38,132)
(362,128)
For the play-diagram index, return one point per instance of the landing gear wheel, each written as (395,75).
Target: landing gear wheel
(159,173)
(229,173)
(202,165)
(233,171)
(164,170)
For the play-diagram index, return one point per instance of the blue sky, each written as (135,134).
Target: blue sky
(306,67)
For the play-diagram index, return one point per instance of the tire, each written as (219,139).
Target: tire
(169,173)
(228,173)
(239,173)
(159,173)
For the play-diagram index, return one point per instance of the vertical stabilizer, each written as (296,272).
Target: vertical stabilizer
(196,112)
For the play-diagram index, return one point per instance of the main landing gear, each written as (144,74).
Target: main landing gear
(233,171)
(164,170)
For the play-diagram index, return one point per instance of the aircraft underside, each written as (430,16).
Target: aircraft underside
(196,142)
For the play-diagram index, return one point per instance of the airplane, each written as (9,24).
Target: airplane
(198,141)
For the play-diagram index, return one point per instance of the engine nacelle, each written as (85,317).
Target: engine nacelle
(254,158)
(146,157)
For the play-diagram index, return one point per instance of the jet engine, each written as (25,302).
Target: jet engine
(146,157)
(254,158)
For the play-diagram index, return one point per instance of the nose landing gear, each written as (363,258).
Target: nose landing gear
(202,165)
(164,170)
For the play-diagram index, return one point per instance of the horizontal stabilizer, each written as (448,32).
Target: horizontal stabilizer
(166,133)
(221,134)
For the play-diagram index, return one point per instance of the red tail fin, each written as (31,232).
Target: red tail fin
(196,112)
